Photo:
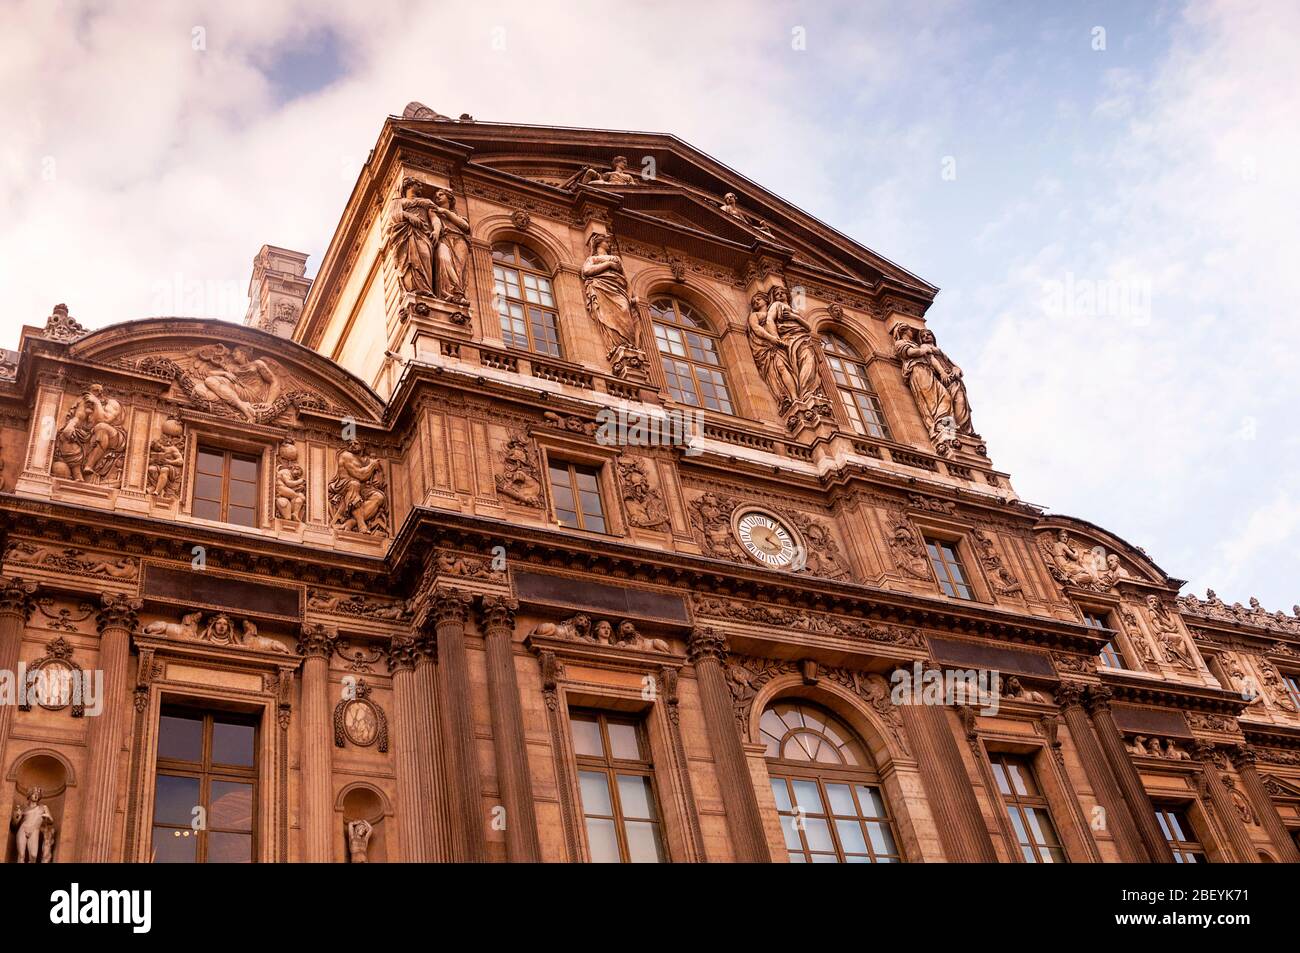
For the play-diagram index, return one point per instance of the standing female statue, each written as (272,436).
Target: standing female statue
(922,372)
(770,352)
(782,343)
(609,303)
(412,232)
(797,334)
(452,254)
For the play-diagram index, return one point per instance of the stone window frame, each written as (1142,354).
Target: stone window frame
(544,268)
(562,448)
(1119,638)
(249,442)
(1054,783)
(956,532)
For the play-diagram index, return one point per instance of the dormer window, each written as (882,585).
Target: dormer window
(225,487)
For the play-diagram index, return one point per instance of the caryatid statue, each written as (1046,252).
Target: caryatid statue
(936,384)
(452,252)
(611,306)
(34,839)
(411,232)
(785,352)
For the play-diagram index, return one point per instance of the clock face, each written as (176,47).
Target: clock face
(360,723)
(767,540)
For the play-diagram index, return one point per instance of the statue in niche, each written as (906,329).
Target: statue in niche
(618,175)
(90,444)
(359,833)
(34,838)
(519,482)
(237,379)
(1172,644)
(357,493)
(611,306)
(452,251)
(290,483)
(936,384)
(166,461)
(411,233)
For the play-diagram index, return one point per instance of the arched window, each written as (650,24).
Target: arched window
(826,789)
(689,351)
(860,401)
(524,299)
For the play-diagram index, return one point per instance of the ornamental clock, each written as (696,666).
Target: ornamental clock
(767,539)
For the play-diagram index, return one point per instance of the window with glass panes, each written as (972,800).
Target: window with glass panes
(948,568)
(856,393)
(1109,654)
(205,788)
(1292,682)
(225,487)
(616,785)
(689,352)
(1180,834)
(524,300)
(1027,809)
(575,489)
(826,791)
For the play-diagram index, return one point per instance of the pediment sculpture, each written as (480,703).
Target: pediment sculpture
(581,628)
(219,630)
(1073,565)
(617,175)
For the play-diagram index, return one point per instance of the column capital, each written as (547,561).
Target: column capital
(317,641)
(1242,756)
(498,612)
(1099,697)
(403,653)
(449,605)
(117,611)
(16,596)
(1070,695)
(706,643)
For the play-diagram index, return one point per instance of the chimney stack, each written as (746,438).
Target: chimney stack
(277,290)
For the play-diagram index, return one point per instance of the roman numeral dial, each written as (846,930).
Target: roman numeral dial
(767,540)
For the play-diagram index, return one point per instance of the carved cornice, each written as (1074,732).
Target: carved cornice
(117,611)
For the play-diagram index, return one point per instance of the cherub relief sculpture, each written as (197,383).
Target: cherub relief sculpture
(936,384)
(290,483)
(645,504)
(1173,647)
(90,444)
(618,175)
(822,556)
(907,548)
(781,340)
(357,494)
(166,461)
(612,307)
(519,481)
(35,834)
(72,560)
(711,514)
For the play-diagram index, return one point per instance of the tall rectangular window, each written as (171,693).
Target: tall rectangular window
(1109,654)
(205,788)
(616,784)
(1027,809)
(1292,682)
(1178,831)
(948,568)
(575,488)
(225,487)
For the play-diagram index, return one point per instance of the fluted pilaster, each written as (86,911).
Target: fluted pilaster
(116,621)
(1243,759)
(1126,774)
(509,742)
(449,608)
(413,821)
(316,645)
(707,650)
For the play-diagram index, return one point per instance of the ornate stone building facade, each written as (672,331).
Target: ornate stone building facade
(590,503)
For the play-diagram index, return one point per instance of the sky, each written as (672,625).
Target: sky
(1106,193)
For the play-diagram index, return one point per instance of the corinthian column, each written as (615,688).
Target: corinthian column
(116,621)
(1243,759)
(412,749)
(498,620)
(1130,783)
(315,645)
(706,651)
(1229,820)
(450,608)
(433,773)
(1118,819)
(962,829)
(15,609)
